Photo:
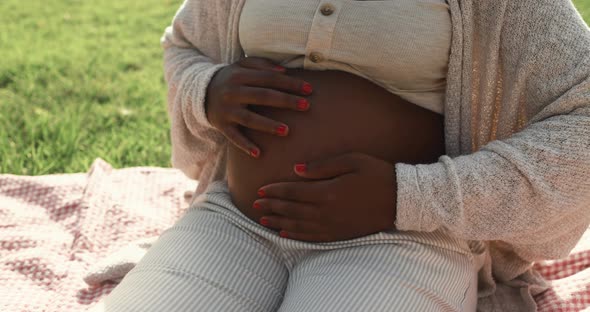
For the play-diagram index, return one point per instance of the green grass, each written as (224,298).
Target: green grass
(80,80)
(584,8)
(83,79)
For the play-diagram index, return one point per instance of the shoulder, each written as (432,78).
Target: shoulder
(210,8)
(199,21)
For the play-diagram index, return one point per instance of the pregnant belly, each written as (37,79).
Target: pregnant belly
(347,114)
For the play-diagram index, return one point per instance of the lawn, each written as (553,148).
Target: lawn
(80,80)
(584,8)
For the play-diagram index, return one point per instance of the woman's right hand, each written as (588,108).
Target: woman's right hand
(252,81)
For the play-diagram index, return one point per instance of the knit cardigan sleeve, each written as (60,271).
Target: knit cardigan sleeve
(191,57)
(531,189)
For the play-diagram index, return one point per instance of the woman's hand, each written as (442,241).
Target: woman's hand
(351,195)
(252,81)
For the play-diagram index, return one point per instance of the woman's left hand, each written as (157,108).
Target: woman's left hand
(348,196)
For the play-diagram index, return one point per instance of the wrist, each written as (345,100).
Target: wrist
(207,99)
(393,209)
(204,84)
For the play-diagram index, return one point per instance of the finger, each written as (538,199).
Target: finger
(308,237)
(273,80)
(258,122)
(271,97)
(261,64)
(238,139)
(306,191)
(290,225)
(288,209)
(331,167)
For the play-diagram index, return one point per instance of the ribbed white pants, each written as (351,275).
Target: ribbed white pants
(216,259)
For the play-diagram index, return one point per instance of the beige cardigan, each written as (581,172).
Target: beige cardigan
(516,180)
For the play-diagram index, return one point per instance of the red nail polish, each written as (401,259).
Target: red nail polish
(300,168)
(283,234)
(261,193)
(280,68)
(306,88)
(255,152)
(256,206)
(302,104)
(281,130)
(264,221)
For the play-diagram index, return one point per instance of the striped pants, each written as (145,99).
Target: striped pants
(216,259)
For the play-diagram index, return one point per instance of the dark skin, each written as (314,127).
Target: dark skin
(328,173)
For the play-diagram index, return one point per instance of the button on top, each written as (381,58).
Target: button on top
(316,57)
(327,9)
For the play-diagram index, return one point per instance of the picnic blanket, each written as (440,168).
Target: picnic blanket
(66,240)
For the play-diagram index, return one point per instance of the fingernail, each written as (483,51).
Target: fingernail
(280,68)
(281,130)
(302,104)
(306,88)
(283,234)
(255,152)
(256,206)
(264,221)
(261,193)
(300,168)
